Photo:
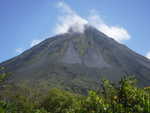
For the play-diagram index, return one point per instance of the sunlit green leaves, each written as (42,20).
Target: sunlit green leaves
(124,97)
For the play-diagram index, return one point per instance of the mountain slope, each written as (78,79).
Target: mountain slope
(76,61)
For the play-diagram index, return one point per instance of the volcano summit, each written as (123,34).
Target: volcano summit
(76,61)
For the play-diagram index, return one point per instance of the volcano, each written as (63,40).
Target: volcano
(76,61)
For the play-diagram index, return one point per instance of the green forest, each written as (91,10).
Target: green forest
(123,97)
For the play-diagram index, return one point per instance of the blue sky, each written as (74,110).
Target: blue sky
(24,23)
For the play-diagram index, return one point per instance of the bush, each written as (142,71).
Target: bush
(122,98)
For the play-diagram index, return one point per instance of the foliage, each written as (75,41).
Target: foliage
(124,97)
(3,75)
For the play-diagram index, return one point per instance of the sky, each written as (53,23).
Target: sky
(25,23)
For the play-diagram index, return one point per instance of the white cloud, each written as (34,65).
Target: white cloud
(69,18)
(19,50)
(35,42)
(118,33)
(148,55)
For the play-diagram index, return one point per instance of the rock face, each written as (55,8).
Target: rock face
(77,61)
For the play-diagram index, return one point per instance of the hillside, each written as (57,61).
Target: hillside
(76,61)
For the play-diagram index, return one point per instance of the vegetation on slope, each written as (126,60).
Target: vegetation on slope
(123,97)
(3,75)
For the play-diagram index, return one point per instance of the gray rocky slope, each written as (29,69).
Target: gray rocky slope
(76,61)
